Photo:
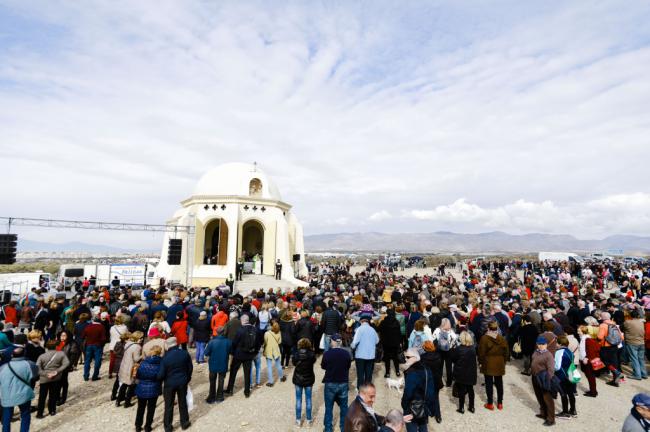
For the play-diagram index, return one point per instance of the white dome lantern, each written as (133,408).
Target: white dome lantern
(237,179)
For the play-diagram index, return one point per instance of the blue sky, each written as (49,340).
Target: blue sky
(371,116)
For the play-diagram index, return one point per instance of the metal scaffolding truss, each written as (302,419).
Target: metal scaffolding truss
(118,226)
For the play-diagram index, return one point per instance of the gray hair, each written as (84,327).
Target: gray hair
(234,314)
(395,417)
(605,316)
(244,319)
(413,352)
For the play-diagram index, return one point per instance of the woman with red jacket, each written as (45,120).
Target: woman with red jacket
(589,350)
(179,329)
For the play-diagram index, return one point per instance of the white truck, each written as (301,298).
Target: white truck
(20,284)
(559,256)
(133,274)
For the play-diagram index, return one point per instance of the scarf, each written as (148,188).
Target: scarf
(368,409)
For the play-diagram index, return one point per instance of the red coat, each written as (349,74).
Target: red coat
(179,330)
(11,315)
(593,348)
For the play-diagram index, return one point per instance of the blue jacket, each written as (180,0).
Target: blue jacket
(218,350)
(365,342)
(13,391)
(172,311)
(415,384)
(148,385)
(176,368)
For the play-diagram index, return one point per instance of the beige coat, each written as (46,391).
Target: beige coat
(272,343)
(634,330)
(51,361)
(132,355)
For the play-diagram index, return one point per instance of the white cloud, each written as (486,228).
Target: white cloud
(113,113)
(622,213)
(380,216)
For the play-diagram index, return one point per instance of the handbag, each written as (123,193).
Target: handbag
(418,407)
(597,363)
(516,348)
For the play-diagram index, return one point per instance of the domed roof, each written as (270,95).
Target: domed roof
(237,179)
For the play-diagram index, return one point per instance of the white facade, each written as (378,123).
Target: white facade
(237,211)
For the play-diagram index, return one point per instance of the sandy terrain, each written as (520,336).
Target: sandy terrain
(272,409)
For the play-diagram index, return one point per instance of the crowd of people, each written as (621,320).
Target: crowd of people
(565,321)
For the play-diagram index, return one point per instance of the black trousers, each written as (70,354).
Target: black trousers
(216,393)
(148,405)
(286,354)
(465,389)
(170,395)
(390,354)
(445,360)
(63,393)
(125,393)
(51,389)
(491,381)
(234,367)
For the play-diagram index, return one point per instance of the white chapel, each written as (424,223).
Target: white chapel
(237,213)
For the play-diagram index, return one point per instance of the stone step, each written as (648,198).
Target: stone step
(255,282)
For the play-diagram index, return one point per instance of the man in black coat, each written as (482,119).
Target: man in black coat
(390,336)
(330,322)
(175,372)
(245,350)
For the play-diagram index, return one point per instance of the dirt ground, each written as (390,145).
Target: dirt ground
(272,409)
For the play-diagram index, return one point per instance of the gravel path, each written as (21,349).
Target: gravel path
(272,409)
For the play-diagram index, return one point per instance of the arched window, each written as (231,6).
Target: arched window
(255,187)
(216,243)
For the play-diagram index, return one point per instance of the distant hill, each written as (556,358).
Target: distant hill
(471,243)
(25,245)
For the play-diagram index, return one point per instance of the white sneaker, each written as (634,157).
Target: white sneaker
(298,423)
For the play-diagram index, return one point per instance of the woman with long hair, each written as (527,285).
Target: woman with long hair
(132,355)
(272,342)
(492,356)
(71,350)
(304,378)
(465,374)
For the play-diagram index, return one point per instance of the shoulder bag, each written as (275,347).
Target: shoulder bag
(419,407)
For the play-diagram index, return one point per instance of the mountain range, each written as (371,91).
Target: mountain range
(472,243)
(435,242)
(25,245)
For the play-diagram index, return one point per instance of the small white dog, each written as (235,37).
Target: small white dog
(396,384)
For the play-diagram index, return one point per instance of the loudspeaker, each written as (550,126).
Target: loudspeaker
(8,243)
(296,257)
(6,296)
(174,251)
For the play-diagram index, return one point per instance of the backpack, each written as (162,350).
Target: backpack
(418,343)
(443,341)
(572,373)
(248,341)
(613,335)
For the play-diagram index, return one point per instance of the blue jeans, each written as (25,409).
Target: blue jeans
(93,352)
(365,369)
(200,349)
(257,361)
(299,391)
(636,354)
(25,417)
(335,392)
(269,368)
(327,342)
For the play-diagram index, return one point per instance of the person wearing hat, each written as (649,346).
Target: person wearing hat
(364,343)
(336,362)
(639,418)
(542,366)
